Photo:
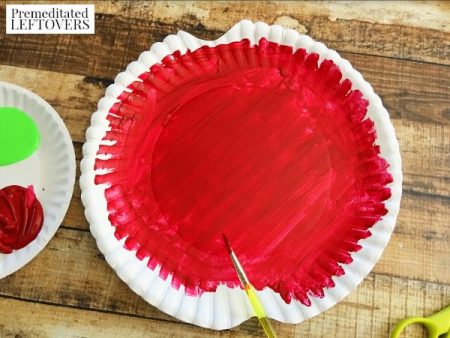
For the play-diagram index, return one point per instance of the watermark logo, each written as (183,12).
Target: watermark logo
(50,19)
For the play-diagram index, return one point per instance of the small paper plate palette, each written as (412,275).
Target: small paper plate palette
(50,170)
(263,135)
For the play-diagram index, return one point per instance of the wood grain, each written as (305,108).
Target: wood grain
(367,320)
(124,30)
(425,150)
(70,272)
(402,49)
(431,15)
(399,83)
(77,253)
(423,14)
(57,321)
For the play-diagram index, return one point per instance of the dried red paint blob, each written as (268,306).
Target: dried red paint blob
(21,217)
(256,142)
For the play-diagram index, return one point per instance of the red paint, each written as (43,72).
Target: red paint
(21,217)
(252,141)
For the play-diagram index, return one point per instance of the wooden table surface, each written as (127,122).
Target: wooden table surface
(401,48)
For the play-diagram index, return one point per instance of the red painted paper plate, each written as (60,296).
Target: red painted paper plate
(264,135)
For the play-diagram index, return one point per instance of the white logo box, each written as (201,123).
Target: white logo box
(50,19)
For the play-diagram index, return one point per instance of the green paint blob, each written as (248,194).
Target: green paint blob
(19,135)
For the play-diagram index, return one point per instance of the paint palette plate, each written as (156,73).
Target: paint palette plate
(263,135)
(50,170)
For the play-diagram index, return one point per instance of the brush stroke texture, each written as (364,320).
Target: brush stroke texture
(257,142)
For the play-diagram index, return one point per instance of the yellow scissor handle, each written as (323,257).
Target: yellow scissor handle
(437,324)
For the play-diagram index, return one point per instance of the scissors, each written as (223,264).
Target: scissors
(437,325)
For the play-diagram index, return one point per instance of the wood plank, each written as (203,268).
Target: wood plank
(429,14)
(43,320)
(399,83)
(74,217)
(72,271)
(425,151)
(410,90)
(370,311)
(360,27)
(128,32)
(418,248)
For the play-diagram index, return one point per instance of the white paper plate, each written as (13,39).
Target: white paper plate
(228,307)
(51,171)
